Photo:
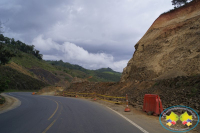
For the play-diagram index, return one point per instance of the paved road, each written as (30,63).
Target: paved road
(49,114)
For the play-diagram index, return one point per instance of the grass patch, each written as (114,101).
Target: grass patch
(30,61)
(68,78)
(194,90)
(2,100)
(186,83)
(156,84)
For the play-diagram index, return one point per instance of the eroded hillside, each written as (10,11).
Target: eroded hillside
(170,48)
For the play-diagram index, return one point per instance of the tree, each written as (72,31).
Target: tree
(30,48)
(37,54)
(7,40)
(5,54)
(13,41)
(1,27)
(1,37)
(178,3)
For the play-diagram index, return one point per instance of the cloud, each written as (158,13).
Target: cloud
(70,52)
(111,27)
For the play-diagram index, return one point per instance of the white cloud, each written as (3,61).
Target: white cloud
(82,28)
(70,52)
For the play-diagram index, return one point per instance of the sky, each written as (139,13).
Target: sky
(91,33)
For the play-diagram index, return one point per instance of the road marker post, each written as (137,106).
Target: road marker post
(127,109)
(95,96)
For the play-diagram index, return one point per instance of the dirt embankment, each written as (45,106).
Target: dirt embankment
(175,91)
(170,48)
(11,103)
(45,76)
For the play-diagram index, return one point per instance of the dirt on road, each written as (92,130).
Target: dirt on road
(11,103)
(148,122)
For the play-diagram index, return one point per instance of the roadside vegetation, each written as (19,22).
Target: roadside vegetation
(2,100)
(12,79)
(11,50)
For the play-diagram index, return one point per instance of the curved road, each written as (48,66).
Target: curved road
(49,114)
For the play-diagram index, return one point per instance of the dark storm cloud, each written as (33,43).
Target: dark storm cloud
(103,31)
(32,17)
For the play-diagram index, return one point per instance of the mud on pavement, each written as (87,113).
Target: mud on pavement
(11,103)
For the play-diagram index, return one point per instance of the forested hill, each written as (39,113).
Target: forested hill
(103,74)
(13,47)
(22,68)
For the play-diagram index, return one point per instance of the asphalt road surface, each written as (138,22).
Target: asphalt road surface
(50,114)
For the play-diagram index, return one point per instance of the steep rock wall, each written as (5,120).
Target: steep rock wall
(170,48)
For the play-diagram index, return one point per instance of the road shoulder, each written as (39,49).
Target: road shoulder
(147,122)
(11,103)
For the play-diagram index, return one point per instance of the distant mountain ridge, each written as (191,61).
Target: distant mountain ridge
(103,74)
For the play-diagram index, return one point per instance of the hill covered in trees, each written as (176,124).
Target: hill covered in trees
(103,75)
(9,47)
(22,68)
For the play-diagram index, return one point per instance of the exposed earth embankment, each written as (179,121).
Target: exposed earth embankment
(170,48)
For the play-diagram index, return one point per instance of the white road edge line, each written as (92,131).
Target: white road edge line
(134,124)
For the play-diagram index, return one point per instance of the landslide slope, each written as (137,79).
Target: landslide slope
(170,48)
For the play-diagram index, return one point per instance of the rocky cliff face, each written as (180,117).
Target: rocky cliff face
(170,48)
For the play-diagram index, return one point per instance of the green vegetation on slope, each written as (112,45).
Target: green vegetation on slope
(100,75)
(2,100)
(20,46)
(6,54)
(18,81)
(30,61)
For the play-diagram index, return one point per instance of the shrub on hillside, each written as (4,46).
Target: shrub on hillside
(3,83)
(2,100)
